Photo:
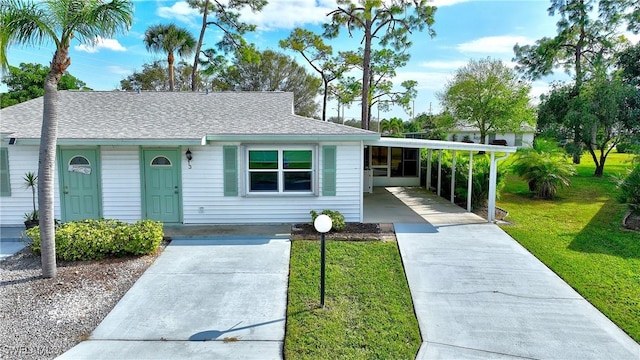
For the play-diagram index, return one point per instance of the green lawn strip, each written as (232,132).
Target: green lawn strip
(579,236)
(368,310)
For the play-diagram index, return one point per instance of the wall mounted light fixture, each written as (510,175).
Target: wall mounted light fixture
(189,157)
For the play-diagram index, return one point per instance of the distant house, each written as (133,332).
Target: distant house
(524,138)
(201,158)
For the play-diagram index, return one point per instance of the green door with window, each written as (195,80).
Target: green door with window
(80,195)
(161,185)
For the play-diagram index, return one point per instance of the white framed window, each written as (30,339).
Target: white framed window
(280,171)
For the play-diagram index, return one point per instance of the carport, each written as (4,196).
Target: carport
(496,153)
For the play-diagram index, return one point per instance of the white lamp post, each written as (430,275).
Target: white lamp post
(322,224)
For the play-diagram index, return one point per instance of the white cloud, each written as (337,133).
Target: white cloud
(287,14)
(114,69)
(443,65)
(426,80)
(441,3)
(493,44)
(538,88)
(101,43)
(180,11)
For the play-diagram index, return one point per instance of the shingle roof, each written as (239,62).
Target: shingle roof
(130,116)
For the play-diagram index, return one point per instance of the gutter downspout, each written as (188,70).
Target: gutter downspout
(493,176)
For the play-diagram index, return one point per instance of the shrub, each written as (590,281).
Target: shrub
(479,181)
(337,219)
(545,167)
(96,239)
(630,189)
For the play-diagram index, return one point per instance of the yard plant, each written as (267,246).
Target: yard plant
(580,237)
(368,310)
(97,239)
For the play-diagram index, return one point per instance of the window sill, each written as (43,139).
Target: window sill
(278,195)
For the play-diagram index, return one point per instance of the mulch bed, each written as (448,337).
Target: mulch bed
(353,232)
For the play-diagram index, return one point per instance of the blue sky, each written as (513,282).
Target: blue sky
(466,29)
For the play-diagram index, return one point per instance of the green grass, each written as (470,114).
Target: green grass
(368,310)
(579,236)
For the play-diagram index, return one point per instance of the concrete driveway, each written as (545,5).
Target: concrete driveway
(478,294)
(217,298)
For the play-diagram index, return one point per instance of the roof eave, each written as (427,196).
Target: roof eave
(289,138)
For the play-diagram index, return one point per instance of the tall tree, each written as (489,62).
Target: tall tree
(389,21)
(169,39)
(319,56)
(582,42)
(26,82)
(154,77)
(488,95)
(628,63)
(225,16)
(274,72)
(611,115)
(59,22)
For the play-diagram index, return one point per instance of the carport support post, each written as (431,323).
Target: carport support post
(453,176)
(429,154)
(493,179)
(493,174)
(470,182)
(439,171)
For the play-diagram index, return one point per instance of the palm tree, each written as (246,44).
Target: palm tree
(169,39)
(56,21)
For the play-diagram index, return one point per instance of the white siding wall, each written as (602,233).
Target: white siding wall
(205,203)
(121,198)
(22,159)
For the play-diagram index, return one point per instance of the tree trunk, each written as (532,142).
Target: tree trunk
(324,98)
(366,66)
(46,165)
(194,70)
(170,60)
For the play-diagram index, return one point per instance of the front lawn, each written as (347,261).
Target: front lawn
(580,237)
(368,310)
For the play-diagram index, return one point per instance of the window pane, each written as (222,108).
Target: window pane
(411,154)
(297,181)
(396,161)
(79,160)
(263,159)
(160,161)
(299,159)
(379,171)
(411,168)
(263,181)
(379,155)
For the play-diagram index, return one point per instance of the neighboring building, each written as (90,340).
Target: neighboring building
(123,155)
(519,139)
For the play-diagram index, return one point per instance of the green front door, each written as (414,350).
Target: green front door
(161,184)
(80,188)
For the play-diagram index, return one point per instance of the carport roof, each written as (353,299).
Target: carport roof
(439,145)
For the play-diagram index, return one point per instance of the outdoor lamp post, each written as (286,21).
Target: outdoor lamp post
(322,224)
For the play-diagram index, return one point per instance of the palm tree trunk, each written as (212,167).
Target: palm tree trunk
(170,60)
(46,172)
(366,66)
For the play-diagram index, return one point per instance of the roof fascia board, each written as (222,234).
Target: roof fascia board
(122,142)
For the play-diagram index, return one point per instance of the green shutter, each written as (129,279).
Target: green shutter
(5,181)
(328,171)
(230,166)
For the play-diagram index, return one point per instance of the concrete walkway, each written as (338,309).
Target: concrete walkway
(478,294)
(10,241)
(203,298)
